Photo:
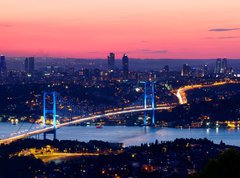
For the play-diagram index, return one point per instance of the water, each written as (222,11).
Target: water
(133,135)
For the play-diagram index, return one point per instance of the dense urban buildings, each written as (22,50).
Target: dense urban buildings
(194,97)
(180,158)
(119,89)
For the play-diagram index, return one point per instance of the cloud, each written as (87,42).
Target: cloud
(6,25)
(223,37)
(153,51)
(223,29)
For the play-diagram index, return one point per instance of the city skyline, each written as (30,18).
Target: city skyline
(142,29)
(107,88)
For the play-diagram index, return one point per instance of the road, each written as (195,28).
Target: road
(181,92)
(76,120)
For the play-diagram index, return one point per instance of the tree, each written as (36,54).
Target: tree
(228,165)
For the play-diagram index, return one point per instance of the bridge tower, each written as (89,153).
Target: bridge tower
(52,111)
(149,95)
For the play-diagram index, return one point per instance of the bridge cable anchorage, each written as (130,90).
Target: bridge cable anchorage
(149,94)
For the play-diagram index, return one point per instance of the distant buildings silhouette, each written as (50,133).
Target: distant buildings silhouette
(3,66)
(29,65)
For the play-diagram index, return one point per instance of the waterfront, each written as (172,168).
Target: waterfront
(133,135)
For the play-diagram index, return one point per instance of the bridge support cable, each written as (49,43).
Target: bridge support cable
(67,109)
(20,126)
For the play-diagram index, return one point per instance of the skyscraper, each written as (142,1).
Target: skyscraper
(186,70)
(221,66)
(205,70)
(218,66)
(111,62)
(224,66)
(125,61)
(3,66)
(29,65)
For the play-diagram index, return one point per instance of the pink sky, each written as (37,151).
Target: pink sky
(141,28)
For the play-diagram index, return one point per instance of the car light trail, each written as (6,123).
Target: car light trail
(76,120)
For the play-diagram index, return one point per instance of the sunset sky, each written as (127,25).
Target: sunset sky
(141,28)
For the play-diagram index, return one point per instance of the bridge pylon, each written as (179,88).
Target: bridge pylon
(149,95)
(52,111)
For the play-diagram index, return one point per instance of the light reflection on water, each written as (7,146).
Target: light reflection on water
(135,135)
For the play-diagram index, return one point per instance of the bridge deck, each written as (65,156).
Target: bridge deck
(76,120)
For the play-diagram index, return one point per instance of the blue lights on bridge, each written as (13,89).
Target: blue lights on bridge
(149,94)
(52,110)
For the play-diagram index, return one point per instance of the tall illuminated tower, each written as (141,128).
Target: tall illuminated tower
(111,62)
(125,66)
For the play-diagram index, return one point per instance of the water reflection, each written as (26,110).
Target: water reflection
(135,135)
(208,131)
(146,129)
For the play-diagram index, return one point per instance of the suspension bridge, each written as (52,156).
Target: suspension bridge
(148,105)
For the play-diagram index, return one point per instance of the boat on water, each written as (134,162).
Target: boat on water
(14,121)
(99,126)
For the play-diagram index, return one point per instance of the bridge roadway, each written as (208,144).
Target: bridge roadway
(76,120)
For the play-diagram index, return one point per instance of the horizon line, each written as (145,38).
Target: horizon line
(85,58)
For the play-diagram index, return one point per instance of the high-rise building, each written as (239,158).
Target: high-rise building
(224,66)
(221,66)
(111,62)
(29,65)
(218,66)
(186,70)
(205,71)
(3,66)
(125,66)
